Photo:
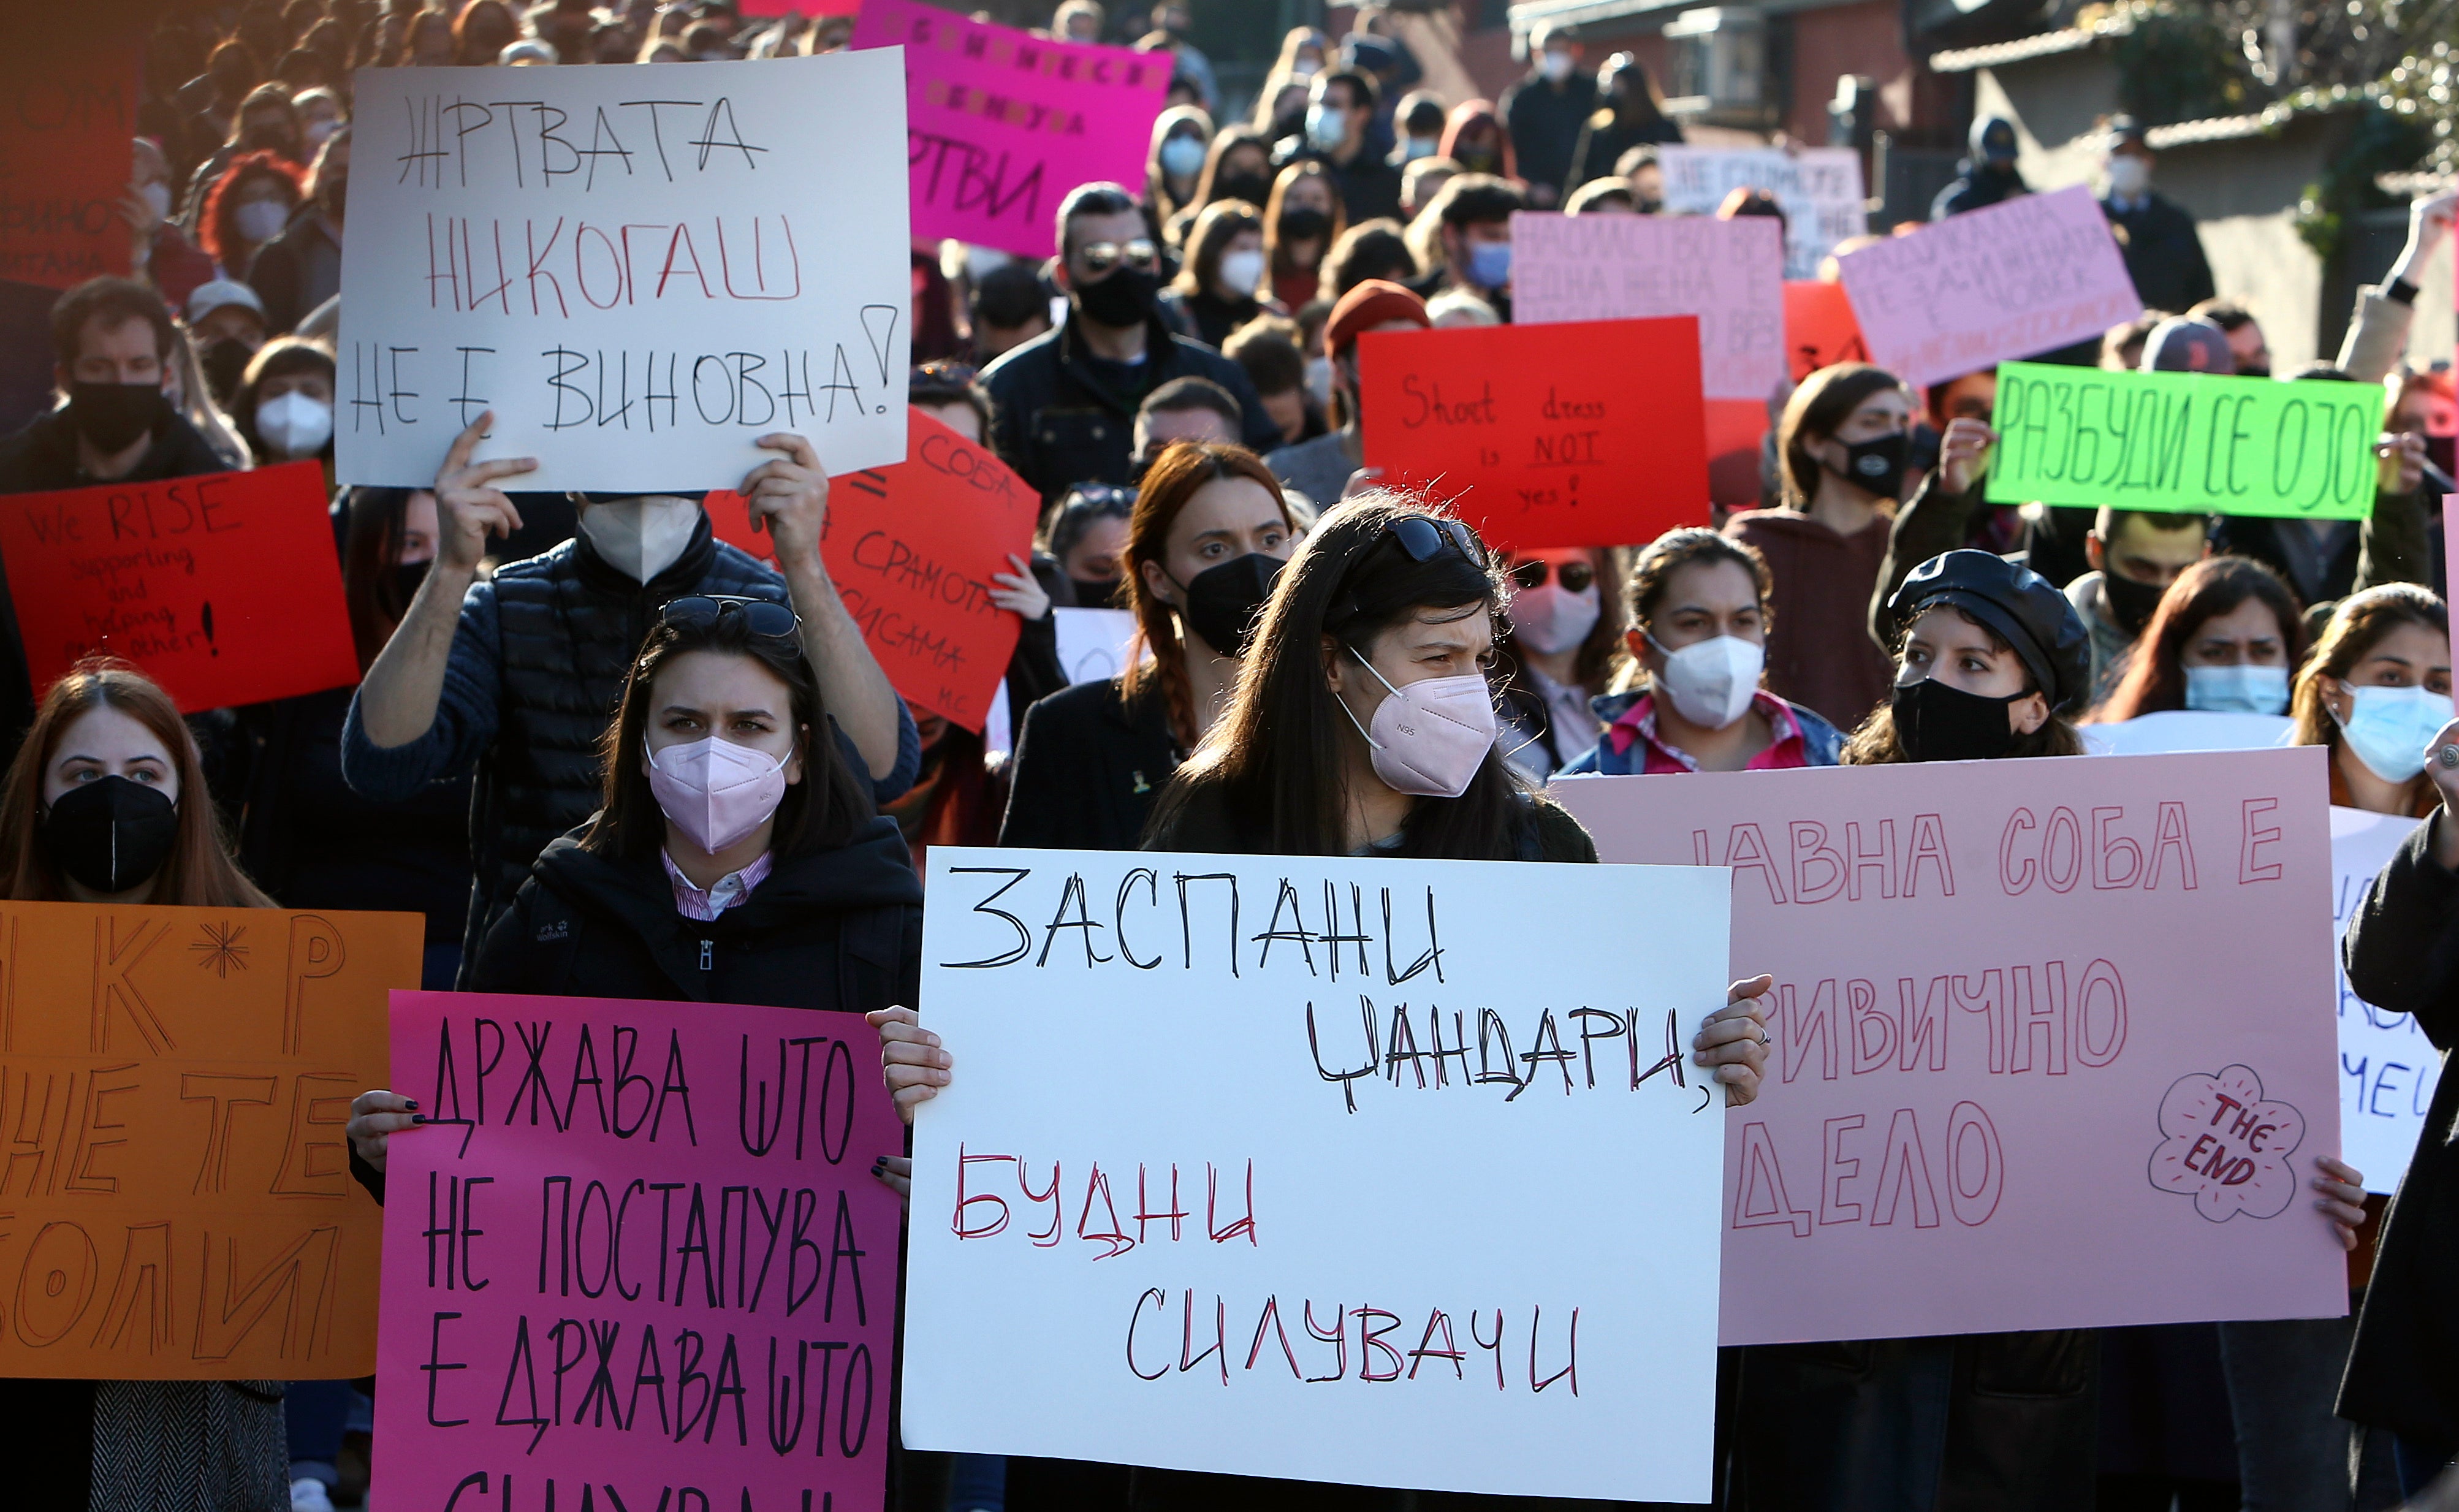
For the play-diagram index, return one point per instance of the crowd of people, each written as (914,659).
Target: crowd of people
(604,753)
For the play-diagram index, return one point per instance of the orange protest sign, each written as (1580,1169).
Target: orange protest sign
(225,588)
(1587,433)
(175,1201)
(912,548)
(1819,330)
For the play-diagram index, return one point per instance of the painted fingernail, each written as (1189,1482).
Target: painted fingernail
(418,1117)
(879,1164)
(411,1104)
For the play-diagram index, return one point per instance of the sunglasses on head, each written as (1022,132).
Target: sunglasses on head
(1100,257)
(1424,536)
(762,616)
(1575,576)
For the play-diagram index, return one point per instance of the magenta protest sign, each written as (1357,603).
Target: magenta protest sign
(2046,1044)
(638,1259)
(2020,278)
(1000,124)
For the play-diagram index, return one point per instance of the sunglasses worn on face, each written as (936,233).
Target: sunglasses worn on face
(1100,257)
(1575,576)
(765,617)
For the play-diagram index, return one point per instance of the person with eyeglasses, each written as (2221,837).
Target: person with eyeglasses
(1065,402)
(1557,655)
(1362,724)
(512,676)
(1690,694)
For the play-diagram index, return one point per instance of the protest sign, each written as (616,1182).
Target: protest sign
(2004,1091)
(1338,1063)
(639,289)
(1819,189)
(1534,439)
(173,1086)
(735,1349)
(68,115)
(1000,124)
(2018,278)
(2173,730)
(2387,1067)
(911,549)
(2184,442)
(1092,648)
(1728,273)
(222,588)
(1819,328)
(1736,429)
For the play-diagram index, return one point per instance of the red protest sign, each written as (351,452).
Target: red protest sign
(912,548)
(224,588)
(68,118)
(1588,434)
(1819,330)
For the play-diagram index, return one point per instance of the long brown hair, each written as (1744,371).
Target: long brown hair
(370,551)
(1218,224)
(200,873)
(1173,479)
(1825,400)
(1276,257)
(824,811)
(2155,675)
(2357,626)
(1876,743)
(1276,760)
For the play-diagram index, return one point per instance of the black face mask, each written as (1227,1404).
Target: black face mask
(1224,601)
(1095,593)
(2129,602)
(1937,722)
(1649,206)
(224,362)
(2439,452)
(1305,224)
(406,579)
(1877,464)
(111,835)
(113,415)
(1254,188)
(1124,298)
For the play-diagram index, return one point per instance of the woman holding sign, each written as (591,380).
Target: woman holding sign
(106,803)
(1990,658)
(1363,723)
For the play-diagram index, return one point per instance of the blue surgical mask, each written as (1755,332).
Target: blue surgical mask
(2388,728)
(2238,690)
(1490,265)
(1325,126)
(1182,157)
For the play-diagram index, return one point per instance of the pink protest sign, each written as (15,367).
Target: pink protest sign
(1728,273)
(1000,124)
(2020,278)
(638,1259)
(2044,1044)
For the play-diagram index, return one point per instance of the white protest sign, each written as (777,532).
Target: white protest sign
(641,272)
(1092,648)
(1728,273)
(2387,1067)
(1819,189)
(1224,1128)
(2174,730)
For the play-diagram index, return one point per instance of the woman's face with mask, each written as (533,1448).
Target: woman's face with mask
(102,742)
(1310,193)
(2248,635)
(1095,557)
(419,529)
(1224,519)
(734,697)
(1945,644)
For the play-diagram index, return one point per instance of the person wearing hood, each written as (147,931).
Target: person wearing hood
(1321,468)
(1630,113)
(1474,137)
(2155,235)
(1987,175)
(1065,402)
(1544,109)
(1174,167)
(2136,555)
(512,674)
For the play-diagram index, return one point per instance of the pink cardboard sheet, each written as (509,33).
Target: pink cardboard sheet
(638,1260)
(2050,1042)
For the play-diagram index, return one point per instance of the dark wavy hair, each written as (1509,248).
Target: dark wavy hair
(1876,743)
(1275,761)
(2357,626)
(2155,675)
(824,811)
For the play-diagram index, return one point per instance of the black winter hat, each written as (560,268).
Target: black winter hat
(2016,603)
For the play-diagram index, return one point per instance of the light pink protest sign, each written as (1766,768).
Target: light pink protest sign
(638,1259)
(1000,124)
(1729,273)
(2023,277)
(2046,1044)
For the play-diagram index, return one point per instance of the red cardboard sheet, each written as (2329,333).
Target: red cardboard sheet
(224,588)
(912,548)
(1590,433)
(1819,330)
(68,116)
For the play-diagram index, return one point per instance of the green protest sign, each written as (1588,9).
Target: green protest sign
(2185,442)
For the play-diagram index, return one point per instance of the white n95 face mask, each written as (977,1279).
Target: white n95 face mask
(641,538)
(1242,271)
(295,424)
(1712,681)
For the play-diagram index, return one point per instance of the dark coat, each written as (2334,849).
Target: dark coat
(295,271)
(1089,768)
(1061,423)
(2402,952)
(1546,832)
(1604,139)
(1545,120)
(2163,254)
